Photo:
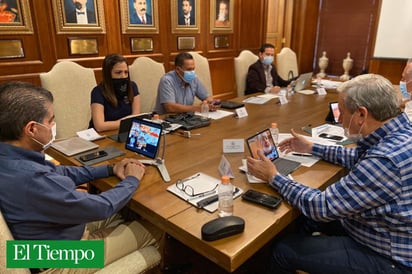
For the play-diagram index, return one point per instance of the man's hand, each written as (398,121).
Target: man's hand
(129,167)
(275,89)
(296,143)
(263,169)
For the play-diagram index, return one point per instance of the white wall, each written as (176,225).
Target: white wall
(394,35)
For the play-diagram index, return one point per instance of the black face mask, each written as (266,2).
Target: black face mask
(78,5)
(120,86)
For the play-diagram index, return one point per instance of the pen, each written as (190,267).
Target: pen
(302,154)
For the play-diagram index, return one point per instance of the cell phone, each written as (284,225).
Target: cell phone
(93,155)
(261,198)
(330,136)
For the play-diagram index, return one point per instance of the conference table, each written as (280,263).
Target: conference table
(202,153)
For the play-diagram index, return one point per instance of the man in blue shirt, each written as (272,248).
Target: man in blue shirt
(365,218)
(38,199)
(178,88)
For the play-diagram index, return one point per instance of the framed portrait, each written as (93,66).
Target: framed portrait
(15,17)
(139,16)
(79,16)
(221,15)
(185,16)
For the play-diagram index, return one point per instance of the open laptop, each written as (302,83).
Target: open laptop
(303,83)
(264,141)
(124,127)
(143,137)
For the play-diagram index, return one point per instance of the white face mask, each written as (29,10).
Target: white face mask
(353,137)
(53,136)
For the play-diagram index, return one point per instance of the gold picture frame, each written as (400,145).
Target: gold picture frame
(132,22)
(224,24)
(15,18)
(179,23)
(70,20)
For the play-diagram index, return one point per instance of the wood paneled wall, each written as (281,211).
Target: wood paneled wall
(45,46)
(339,27)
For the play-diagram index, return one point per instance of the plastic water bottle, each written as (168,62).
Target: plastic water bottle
(225,194)
(204,110)
(274,131)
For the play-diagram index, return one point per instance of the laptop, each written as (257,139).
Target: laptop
(143,137)
(264,141)
(124,127)
(304,82)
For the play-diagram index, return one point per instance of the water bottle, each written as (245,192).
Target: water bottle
(225,194)
(204,110)
(274,131)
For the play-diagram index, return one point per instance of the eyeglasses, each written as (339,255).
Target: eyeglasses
(189,190)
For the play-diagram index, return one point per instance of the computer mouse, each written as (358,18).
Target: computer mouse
(222,227)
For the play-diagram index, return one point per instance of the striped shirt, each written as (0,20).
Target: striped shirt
(374,200)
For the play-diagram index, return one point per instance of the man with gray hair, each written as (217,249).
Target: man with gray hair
(363,221)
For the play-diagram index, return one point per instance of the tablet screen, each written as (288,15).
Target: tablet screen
(334,109)
(144,137)
(263,141)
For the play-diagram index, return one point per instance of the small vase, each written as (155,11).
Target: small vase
(323,64)
(347,66)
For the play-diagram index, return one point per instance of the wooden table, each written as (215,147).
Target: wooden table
(186,156)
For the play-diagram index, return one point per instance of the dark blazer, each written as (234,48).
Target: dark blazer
(256,80)
(71,17)
(182,22)
(134,19)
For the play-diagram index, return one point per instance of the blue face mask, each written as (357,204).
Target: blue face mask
(404,90)
(267,60)
(189,75)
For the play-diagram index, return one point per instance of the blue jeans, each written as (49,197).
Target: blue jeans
(334,252)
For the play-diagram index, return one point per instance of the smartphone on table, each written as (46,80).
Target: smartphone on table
(93,155)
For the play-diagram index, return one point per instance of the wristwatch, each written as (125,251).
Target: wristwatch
(110,170)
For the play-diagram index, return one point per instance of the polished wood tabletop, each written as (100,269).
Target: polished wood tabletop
(202,153)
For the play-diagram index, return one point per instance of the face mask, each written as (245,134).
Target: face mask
(189,75)
(403,88)
(353,137)
(120,86)
(53,136)
(267,60)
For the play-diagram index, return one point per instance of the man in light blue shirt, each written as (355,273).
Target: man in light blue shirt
(178,88)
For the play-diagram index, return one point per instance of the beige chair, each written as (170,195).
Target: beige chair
(242,64)
(71,85)
(146,73)
(202,72)
(286,62)
(138,261)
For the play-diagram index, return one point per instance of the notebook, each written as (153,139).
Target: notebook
(124,127)
(144,137)
(73,146)
(304,82)
(264,141)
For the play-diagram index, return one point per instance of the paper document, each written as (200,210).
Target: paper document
(218,114)
(268,95)
(90,134)
(256,100)
(202,186)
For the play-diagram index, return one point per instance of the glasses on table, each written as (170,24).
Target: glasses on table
(189,190)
